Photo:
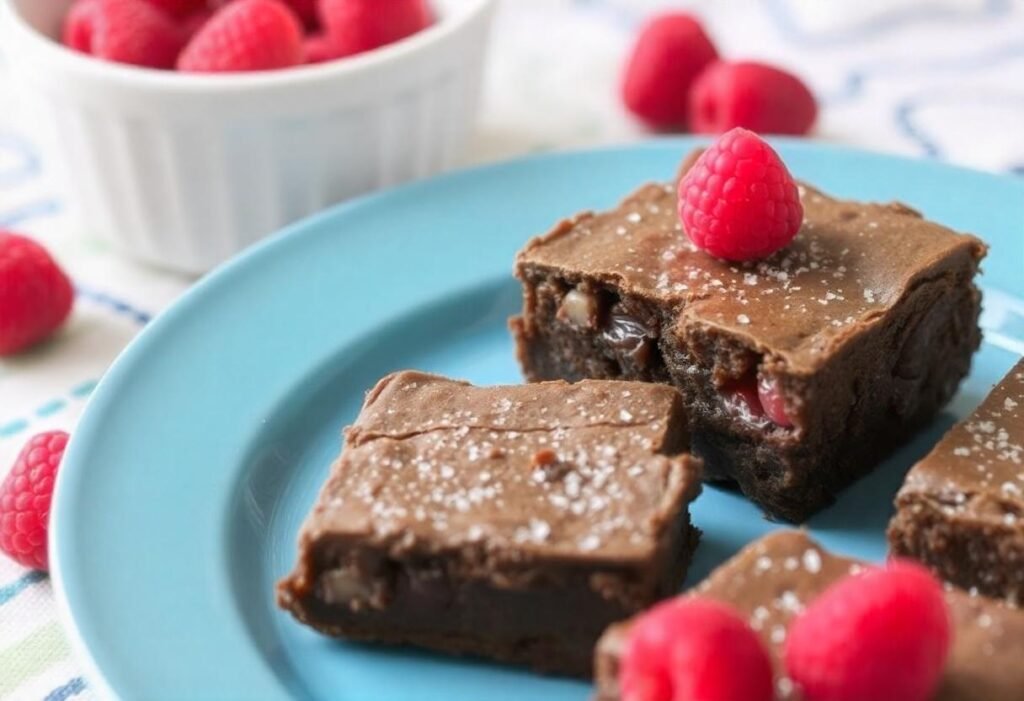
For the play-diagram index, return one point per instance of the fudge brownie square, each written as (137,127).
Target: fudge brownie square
(774,578)
(961,509)
(512,523)
(855,334)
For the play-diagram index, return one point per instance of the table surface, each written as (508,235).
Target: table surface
(931,78)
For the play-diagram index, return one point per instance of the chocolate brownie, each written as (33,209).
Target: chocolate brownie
(862,329)
(771,580)
(961,509)
(512,523)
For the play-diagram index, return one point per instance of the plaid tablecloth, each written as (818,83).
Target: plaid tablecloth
(940,79)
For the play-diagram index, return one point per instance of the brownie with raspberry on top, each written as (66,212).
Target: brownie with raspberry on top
(808,335)
(512,523)
(961,509)
(772,583)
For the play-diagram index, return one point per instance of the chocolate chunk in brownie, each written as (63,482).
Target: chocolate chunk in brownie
(774,578)
(857,333)
(961,509)
(512,523)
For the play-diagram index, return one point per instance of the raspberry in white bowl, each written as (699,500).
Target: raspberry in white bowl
(234,36)
(184,169)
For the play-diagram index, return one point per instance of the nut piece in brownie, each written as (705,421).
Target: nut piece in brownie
(512,523)
(800,371)
(961,509)
(774,578)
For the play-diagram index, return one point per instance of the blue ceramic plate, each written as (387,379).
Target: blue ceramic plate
(183,489)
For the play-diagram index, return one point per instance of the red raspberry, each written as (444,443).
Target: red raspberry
(125,31)
(738,201)
(756,398)
(179,8)
(305,10)
(25,499)
(694,649)
(362,25)
(750,95)
(191,24)
(742,396)
(670,52)
(320,48)
(772,401)
(35,294)
(882,635)
(245,35)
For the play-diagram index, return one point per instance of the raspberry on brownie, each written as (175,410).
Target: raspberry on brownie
(882,634)
(694,648)
(799,371)
(961,509)
(738,200)
(512,523)
(773,580)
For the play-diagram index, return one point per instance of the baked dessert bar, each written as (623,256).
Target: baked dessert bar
(512,523)
(799,372)
(961,509)
(771,580)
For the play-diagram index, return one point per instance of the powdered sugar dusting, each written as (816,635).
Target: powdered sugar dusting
(837,273)
(987,449)
(571,467)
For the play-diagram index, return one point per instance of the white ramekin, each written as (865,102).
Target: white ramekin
(182,171)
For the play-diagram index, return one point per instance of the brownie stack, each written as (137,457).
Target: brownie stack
(513,523)
(961,510)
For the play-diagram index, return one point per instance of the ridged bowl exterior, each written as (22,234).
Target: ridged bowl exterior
(184,171)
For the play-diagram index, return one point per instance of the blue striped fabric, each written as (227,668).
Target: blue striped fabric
(9,591)
(73,688)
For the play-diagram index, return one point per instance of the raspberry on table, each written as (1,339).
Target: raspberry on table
(695,649)
(738,201)
(25,496)
(882,635)
(751,95)
(670,52)
(362,25)
(245,35)
(35,294)
(126,31)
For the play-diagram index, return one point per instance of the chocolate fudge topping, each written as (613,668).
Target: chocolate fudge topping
(863,327)
(961,509)
(507,522)
(849,265)
(773,579)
